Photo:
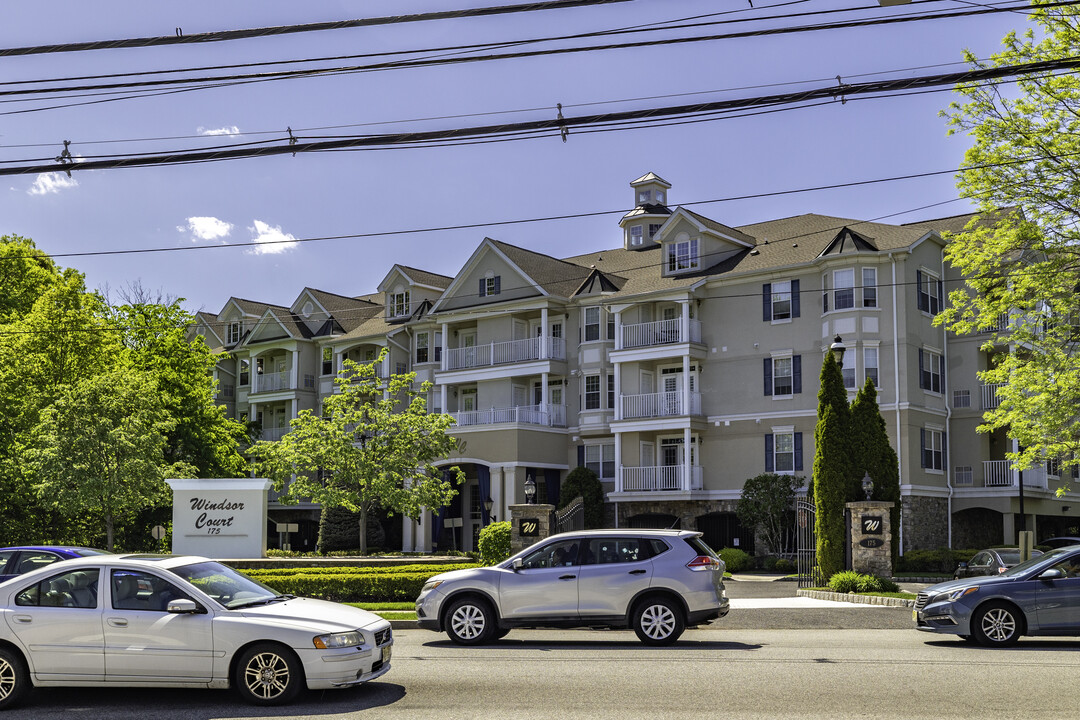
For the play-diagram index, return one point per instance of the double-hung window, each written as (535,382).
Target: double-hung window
(783,375)
(592,323)
(327,361)
(399,304)
(491,285)
(245,372)
(592,392)
(234,332)
(870,364)
(783,451)
(637,236)
(843,289)
(932,443)
(930,370)
(422,347)
(869,288)
(611,391)
(780,300)
(601,460)
(931,295)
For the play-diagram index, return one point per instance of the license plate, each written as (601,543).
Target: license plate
(386,653)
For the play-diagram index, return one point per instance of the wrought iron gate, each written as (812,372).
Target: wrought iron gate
(571,517)
(806,545)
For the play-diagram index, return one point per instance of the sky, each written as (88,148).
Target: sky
(196,211)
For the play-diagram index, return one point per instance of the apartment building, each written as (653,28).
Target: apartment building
(677,364)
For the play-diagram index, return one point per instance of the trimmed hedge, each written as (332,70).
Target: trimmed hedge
(850,581)
(349,584)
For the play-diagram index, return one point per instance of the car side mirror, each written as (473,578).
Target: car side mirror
(516,564)
(182,606)
(962,565)
(1052,574)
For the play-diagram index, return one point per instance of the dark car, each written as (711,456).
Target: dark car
(991,561)
(1057,542)
(18,560)
(1038,597)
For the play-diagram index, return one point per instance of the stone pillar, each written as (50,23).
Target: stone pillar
(530,524)
(871,538)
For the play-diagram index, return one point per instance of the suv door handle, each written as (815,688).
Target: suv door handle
(567,577)
(637,572)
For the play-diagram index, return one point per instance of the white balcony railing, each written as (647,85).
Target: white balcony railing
(990,395)
(508,351)
(548,416)
(272,382)
(659,332)
(999,473)
(273,434)
(659,478)
(665,404)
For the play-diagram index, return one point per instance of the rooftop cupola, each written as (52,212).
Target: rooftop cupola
(641,224)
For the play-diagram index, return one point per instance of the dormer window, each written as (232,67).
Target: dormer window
(682,255)
(637,236)
(399,304)
(235,329)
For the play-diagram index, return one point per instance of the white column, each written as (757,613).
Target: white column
(684,324)
(442,390)
(498,509)
(544,332)
(445,348)
(686,384)
(423,532)
(618,388)
(509,489)
(295,369)
(544,394)
(408,534)
(687,481)
(618,457)
(618,337)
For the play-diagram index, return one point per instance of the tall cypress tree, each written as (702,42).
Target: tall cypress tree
(833,467)
(874,455)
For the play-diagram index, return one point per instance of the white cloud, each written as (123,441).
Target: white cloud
(206,228)
(53,182)
(233,130)
(271,239)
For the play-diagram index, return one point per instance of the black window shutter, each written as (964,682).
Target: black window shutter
(922,382)
(768,376)
(482,287)
(940,296)
(796,374)
(922,447)
(766,302)
(944,446)
(918,290)
(768,453)
(581,455)
(498,284)
(798,451)
(794,298)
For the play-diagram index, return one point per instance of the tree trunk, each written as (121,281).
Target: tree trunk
(110,531)
(363,529)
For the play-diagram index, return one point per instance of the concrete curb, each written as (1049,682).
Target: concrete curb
(858,599)
(404,624)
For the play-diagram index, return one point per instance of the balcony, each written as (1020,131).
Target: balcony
(990,395)
(661,478)
(506,352)
(999,473)
(272,382)
(653,405)
(659,332)
(547,416)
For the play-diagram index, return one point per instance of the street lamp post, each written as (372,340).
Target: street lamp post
(488,503)
(837,349)
(530,490)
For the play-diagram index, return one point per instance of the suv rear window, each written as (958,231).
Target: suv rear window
(605,551)
(700,546)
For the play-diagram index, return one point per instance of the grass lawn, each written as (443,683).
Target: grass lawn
(390,610)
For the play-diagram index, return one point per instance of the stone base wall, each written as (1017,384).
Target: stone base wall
(977,528)
(925,522)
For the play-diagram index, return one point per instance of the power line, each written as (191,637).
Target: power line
(572,123)
(198,38)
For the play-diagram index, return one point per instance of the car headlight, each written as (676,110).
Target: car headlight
(954,595)
(429,586)
(338,640)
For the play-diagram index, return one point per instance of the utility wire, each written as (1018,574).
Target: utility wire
(180,39)
(569,124)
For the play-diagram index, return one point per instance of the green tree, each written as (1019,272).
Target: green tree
(1023,263)
(375,445)
(25,273)
(99,449)
(832,466)
(765,506)
(583,481)
(874,454)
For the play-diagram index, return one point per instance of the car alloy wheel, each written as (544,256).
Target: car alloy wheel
(996,625)
(14,679)
(658,622)
(469,622)
(268,674)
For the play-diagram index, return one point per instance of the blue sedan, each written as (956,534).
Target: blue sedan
(1037,597)
(15,561)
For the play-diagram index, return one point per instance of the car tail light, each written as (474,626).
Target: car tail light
(703,562)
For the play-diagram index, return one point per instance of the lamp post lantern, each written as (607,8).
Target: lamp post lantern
(530,489)
(867,485)
(837,349)
(488,503)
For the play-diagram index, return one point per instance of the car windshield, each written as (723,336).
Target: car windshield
(1046,558)
(225,585)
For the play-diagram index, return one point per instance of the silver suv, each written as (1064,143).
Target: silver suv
(658,582)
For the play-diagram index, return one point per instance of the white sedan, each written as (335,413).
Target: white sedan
(178,621)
